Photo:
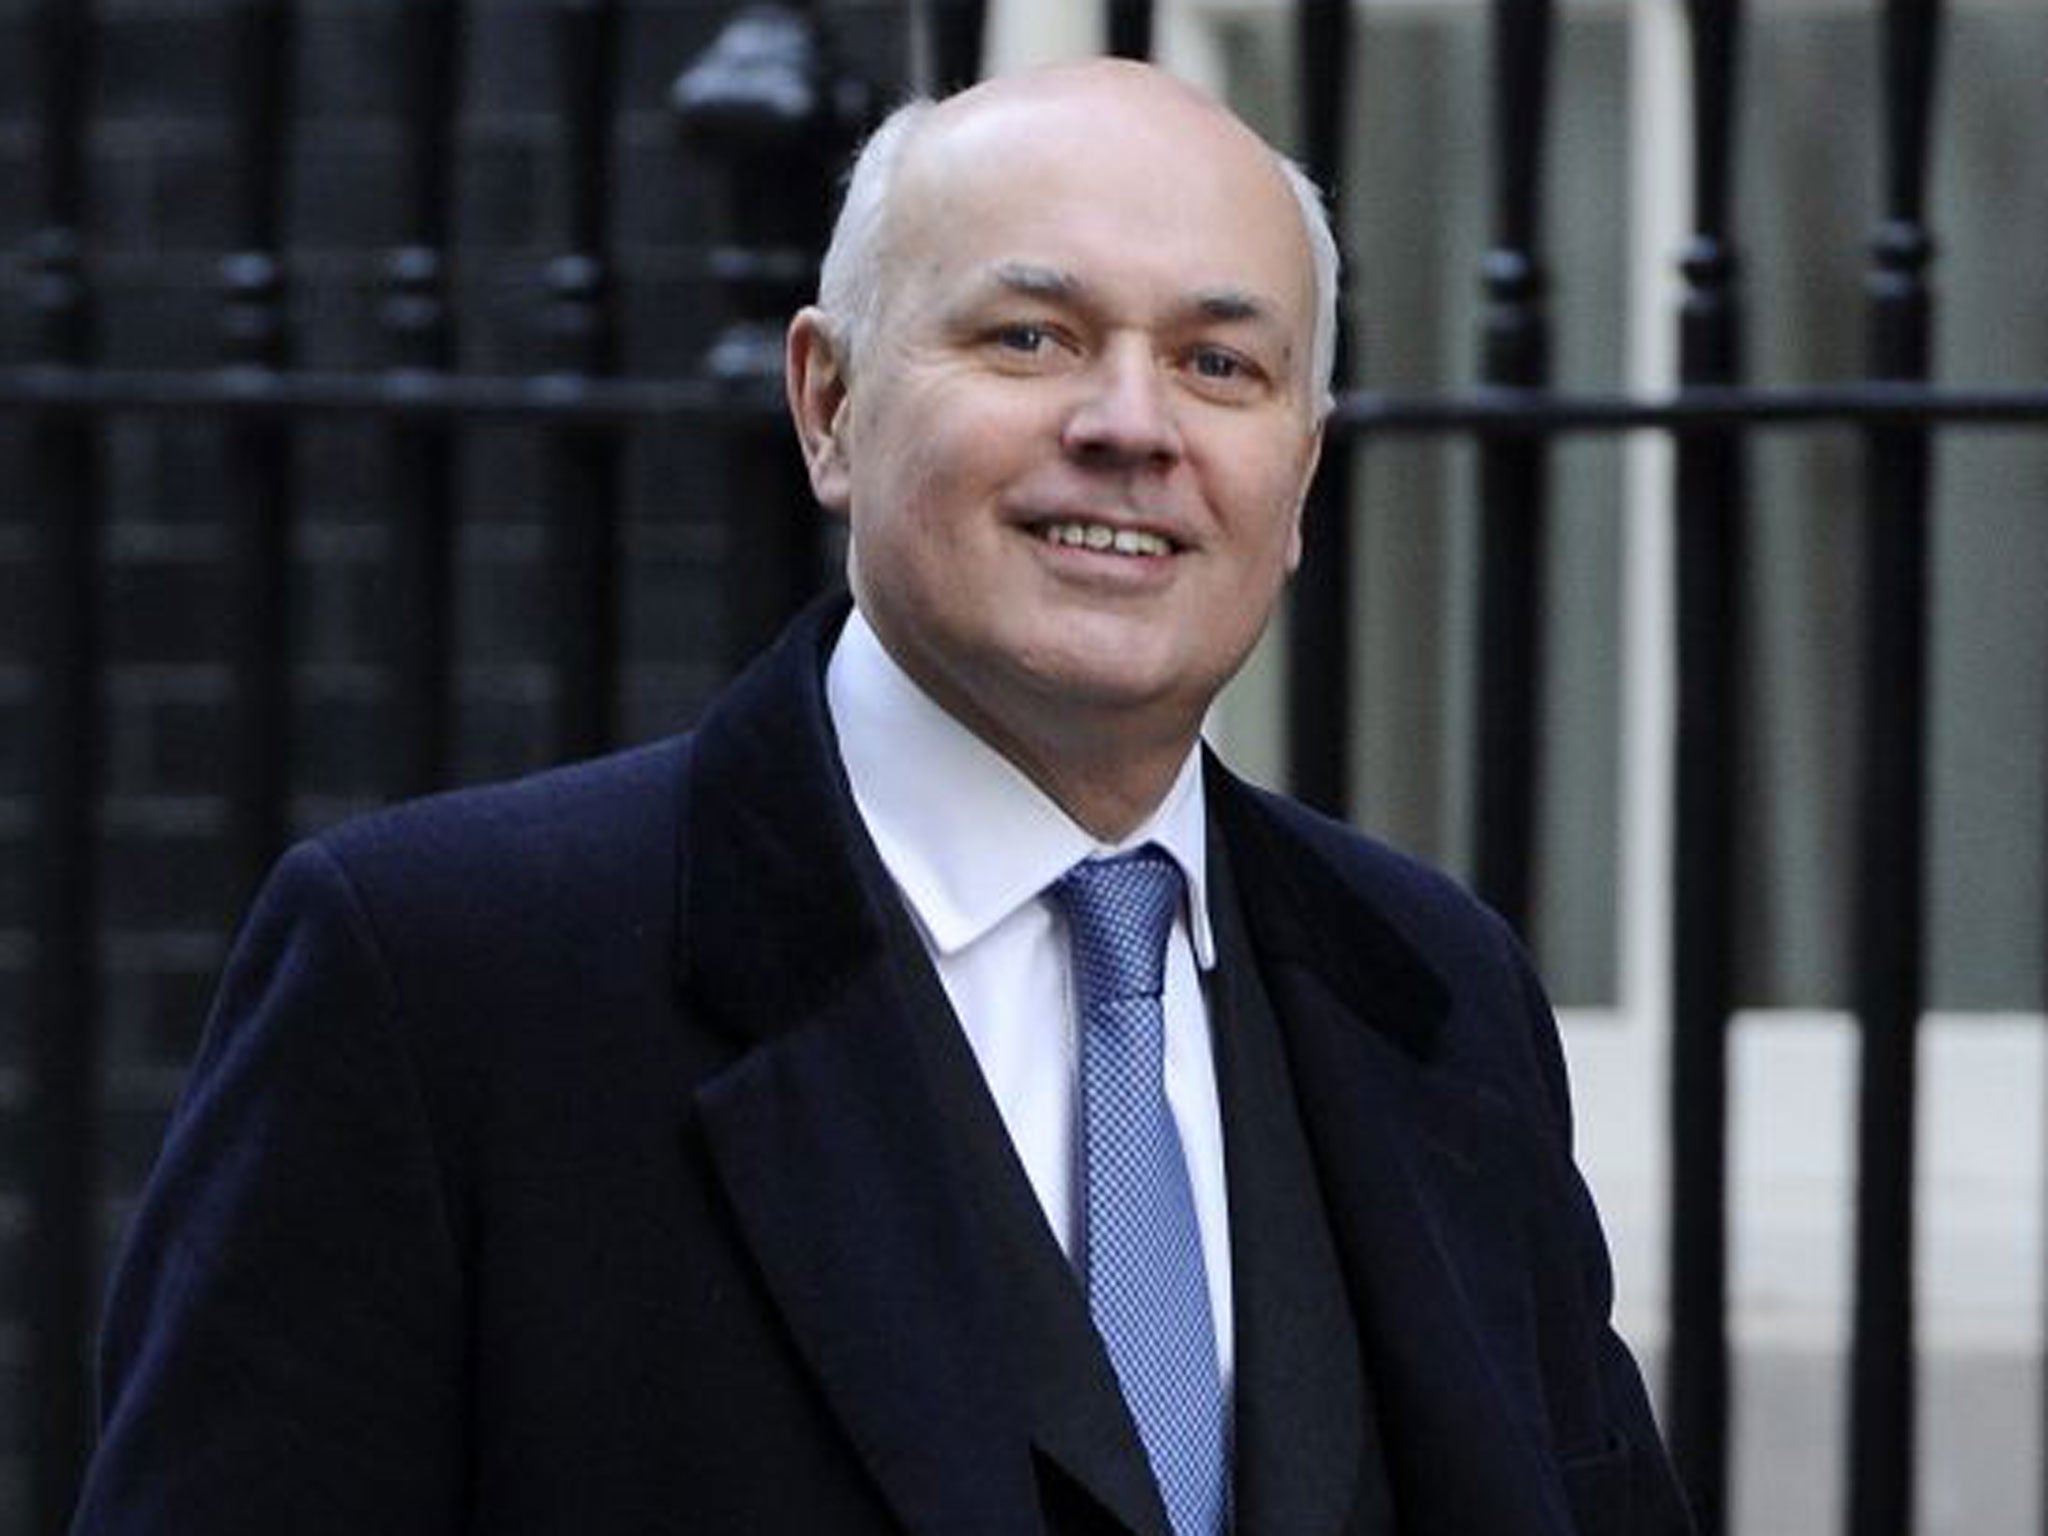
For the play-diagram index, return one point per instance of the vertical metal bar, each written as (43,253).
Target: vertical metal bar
(1711,504)
(254,338)
(585,530)
(1130,28)
(1513,481)
(957,28)
(1890,926)
(788,127)
(64,1054)
(1319,635)
(417,319)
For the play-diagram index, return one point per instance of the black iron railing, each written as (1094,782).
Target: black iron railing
(768,103)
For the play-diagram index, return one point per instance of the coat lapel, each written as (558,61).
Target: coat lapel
(1420,1183)
(1425,1226)
(863,1159)
(836,1134)
(1304,1435)
(1048,1351)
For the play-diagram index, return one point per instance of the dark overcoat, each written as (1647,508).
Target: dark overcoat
(595,1154)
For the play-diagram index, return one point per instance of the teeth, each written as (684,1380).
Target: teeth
(1124,541)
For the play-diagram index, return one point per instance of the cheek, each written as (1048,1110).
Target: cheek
(911,524)
(944,476)
(1266,514)
(905,436)
(1272,496)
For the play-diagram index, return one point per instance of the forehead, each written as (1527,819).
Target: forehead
(1132,193)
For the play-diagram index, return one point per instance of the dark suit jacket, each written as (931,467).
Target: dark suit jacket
(594,1154)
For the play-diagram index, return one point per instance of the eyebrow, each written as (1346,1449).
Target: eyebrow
(1036,282)
(1232,306)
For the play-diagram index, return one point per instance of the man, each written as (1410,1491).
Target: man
(718,1138)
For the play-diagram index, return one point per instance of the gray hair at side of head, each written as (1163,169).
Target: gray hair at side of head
(1323,255)
(851,279)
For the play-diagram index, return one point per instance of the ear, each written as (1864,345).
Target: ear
(1310,458)
(814,374)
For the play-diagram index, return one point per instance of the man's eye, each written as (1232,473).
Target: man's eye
(1220,365)
(1025,339)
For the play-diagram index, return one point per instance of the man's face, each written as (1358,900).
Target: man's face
(1075,446)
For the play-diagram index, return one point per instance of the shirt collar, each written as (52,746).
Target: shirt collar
(966,836)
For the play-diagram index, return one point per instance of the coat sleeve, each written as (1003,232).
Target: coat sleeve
(1625,1486)
(282,1348)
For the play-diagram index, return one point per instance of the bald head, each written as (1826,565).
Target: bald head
(1067,109)
(1066,386)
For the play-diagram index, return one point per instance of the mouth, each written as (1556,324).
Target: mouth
(1105,538)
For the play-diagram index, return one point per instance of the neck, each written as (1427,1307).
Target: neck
(1108,764)
(1107,779)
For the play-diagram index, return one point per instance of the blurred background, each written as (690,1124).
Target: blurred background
(389,398)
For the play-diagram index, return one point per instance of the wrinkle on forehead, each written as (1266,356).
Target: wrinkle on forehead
(1034,280)
(1044,164)
(1070,110)
(1221,305)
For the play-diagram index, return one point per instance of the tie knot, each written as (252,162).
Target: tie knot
(1119,911)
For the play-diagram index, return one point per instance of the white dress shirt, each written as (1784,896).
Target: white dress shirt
(973,844)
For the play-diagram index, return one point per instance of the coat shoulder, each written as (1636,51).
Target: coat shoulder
(1340,874)
(562,845)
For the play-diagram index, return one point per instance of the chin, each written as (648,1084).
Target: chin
(1114,684)
(1083,661)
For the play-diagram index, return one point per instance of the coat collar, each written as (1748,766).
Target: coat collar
(838,1129)
(782,899)
(764,792)
(1306,1453)
(824,1132)
(1431,1208)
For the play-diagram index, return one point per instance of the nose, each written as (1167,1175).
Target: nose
(1124,417)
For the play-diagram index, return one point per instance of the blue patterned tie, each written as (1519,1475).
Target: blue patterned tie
(1141,1247)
